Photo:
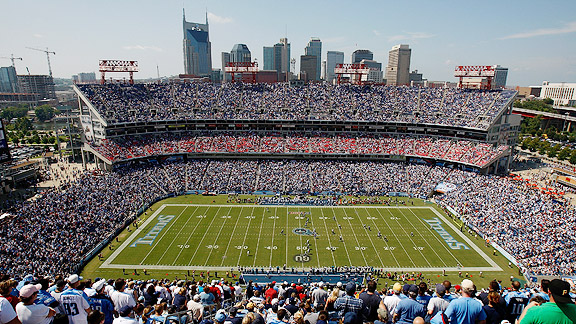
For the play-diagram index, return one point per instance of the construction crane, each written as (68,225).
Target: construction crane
(12,58)
(47,56)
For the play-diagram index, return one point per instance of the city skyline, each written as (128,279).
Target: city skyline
(536,45)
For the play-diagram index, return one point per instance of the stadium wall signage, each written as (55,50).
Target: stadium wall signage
(452,243)
(163,220)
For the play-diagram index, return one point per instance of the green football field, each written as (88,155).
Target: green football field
(224,237)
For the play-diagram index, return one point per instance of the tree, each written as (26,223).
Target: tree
(44,112)
(548,101)
(534,144)
(544,147)
(573,157)
(554,150)
(23,124)
(526,143)
(14,112)
(564,153)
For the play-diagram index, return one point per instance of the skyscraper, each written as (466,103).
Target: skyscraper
(8,80)
(359,55)
(240,53)
(398,69)
(308,65)
(268,58)
(277,58)
(225,60)
(197,48)
(314,48)
(333,58)
(500,77)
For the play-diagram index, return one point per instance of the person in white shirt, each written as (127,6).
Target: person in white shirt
(7,313)
(30,313)
(125,318)
(119,297)
(74,302)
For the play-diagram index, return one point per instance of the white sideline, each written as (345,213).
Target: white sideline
(107,264)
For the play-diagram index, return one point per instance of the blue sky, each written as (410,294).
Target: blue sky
(536,40)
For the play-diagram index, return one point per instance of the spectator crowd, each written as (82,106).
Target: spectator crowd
(141,146)
(119,103)
(75,300)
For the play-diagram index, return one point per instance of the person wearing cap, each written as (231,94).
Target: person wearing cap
(560,309)
(124,317)
(232,318)
(102,302)
(271,293)
(392,301)
(29,312)
(466,310)
(408,308)
(119,297)
(44,296)
(349,303)
(74,302)
(220,317)
(195,308)
(438,303)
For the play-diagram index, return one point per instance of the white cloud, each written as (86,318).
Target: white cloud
(219,20)
(410,36)
(377,33)
(567,28)
(143,48)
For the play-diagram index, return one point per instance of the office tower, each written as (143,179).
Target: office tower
(314,48)
(500,77)
(398,69)
(375,74)
(308,65)
(225,60)
(333,58)
(8,80)
(240,53)
(277,58)
(197,48)
(359,55)
(268,58)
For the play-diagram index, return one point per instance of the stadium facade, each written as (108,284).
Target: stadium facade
(481,136)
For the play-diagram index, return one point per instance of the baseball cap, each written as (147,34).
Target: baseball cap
(467,284)
(233,310)
(413,289)
(560,290)
(321,284)
(125,311)
(440,289)
(397,287)
(350,318)
(350,287)
(220,317)
(457,287)
(99,285)
(250,306)
(339,284)
(29,290)
(74,278)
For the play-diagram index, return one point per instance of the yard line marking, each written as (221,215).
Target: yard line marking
(356,238)
(232,235)
(370,238)
(245,234)
(315,242)
(411,240)
(328,235)
(385,241)
(273,234)
(204,236)
(258,242)
(180,252)
(340,231)
(161,237)
(286,236)
(427,242)
(396,237)
(442,243)
(218,235)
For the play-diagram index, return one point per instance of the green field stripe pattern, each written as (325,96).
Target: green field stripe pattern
(225,237)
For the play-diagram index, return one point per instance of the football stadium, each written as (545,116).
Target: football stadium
(300,201)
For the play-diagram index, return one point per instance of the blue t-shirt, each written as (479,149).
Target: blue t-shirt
(103,304)
(465,310)
(409,309)
(423,300)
